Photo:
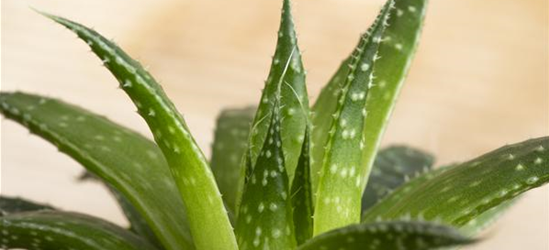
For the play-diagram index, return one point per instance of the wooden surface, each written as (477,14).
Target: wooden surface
(479,80)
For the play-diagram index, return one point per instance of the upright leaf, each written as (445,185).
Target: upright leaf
(196,183)
(138,224)
(462,195)
(101,146)
(265,217)
(12,205)
(393,167)
(232,131)
(343,171)
(388,235)
(286,76)
(62,230)
(302,195)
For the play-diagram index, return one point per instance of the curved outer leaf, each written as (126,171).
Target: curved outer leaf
(388,235)
(265,217)
(63,230)
(462,194)
(302,195)
(205,210)
(396,53)
(286,76)
(11,205)
(232,130)
(101,146)
(138,224)
(393,167)
(342,174)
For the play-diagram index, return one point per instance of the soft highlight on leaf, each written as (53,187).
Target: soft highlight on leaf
(407,235)
(340,185)
(139,172)
(466,194)
(52,230)
(205,209)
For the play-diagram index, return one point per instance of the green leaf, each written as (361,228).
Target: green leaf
(265,218)
(302,195)
(286,78)
(463,194)
(343,172)
(12,205)
(205,209)
(232,130)
(394,166)
(63,230)
(101,146)
(388,235)
(138,224)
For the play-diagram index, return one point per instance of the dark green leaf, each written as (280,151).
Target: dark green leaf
(232,130)
(52,230)
(388,236)
(462,195)
(302,195)
(392,167)
(265,217)
(190,170)
(139,172)
(12,205)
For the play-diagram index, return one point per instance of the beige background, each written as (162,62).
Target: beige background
(479,80)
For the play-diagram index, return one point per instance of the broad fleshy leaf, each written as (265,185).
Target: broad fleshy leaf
(231,134)
(287,79)
(340,185)
(101,146)
(205,209)
(393,167)
(265,218)
(138,224)
(388,235)
(53,230)
(12,205)
(463,194)
(302,195)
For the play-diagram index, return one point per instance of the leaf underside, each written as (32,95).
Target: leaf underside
(53,230)
(388,235)
(138,224)
(12,205)
(139,172)
(232,131)
(470,194)
(205,209)
(393,167)
(265,218)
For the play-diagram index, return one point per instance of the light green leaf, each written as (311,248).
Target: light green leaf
(205,209)
(12,205)
(286,78)
(101,146)
(232,130)
(138,224)
(302,195)
(265,218)
(341,180)
(53,230)
(394,166)
(465,194)
(388,235)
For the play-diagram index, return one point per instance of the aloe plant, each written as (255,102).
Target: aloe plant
(283,175)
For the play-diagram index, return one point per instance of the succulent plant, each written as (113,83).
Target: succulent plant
(284,175)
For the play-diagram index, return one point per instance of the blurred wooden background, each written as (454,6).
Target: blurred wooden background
(479,80)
